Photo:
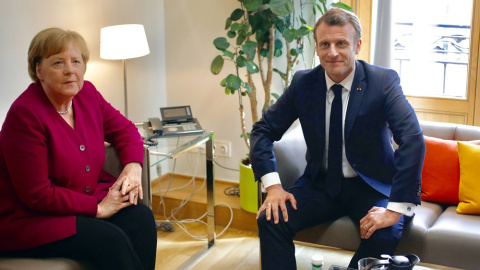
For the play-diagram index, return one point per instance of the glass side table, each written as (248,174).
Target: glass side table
(172,148)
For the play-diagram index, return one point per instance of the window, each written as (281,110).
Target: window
(432,43)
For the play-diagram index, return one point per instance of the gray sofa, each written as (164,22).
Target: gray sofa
(437,234)
(114,167)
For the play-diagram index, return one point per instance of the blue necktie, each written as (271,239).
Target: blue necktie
(334,177)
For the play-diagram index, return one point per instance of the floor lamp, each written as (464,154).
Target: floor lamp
(121,42)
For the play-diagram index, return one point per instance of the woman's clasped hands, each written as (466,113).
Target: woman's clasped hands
(123,193)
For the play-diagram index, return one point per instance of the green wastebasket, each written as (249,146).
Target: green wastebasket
(248,189)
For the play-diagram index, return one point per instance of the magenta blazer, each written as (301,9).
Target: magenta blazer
(51,173)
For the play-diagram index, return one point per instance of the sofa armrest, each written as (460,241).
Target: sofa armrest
(114,166)
(291,150)
(290,153)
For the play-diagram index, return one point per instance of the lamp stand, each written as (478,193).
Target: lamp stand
(125,86)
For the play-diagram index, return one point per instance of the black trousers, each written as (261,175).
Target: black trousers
(314,207)
(127,240)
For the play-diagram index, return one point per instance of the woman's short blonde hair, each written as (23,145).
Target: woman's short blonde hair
(51,41)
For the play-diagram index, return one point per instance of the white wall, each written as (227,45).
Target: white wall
(190,28)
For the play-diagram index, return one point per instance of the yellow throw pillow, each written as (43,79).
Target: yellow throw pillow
(469,189)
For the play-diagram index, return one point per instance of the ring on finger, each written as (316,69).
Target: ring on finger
(269,204)
(366,227)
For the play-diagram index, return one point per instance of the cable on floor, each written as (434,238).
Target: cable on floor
(232,191)
(165,224)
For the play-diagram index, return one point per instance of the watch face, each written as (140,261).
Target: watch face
(174,113)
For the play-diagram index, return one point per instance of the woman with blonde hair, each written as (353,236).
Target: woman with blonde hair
(55,199)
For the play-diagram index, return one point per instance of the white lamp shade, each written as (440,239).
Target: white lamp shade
(123,42)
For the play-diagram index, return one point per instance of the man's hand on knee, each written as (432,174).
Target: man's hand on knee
(276,198)
(377,218)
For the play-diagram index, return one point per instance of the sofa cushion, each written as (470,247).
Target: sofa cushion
(341,233)
(454,240)
(414,232)
(441,171)
(469,156)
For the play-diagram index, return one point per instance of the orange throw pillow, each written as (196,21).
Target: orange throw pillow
(441,171)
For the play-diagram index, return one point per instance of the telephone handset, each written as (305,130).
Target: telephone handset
(153,127)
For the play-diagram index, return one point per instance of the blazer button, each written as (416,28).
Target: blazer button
(87,189)
(87,168)
(82,147)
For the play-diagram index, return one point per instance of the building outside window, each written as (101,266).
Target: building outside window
(431,46)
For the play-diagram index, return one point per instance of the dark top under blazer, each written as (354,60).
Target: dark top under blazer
(377,108)
(50,172)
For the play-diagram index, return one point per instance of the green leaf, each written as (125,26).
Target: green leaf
(217,65)
(282,75)
(228,23)
(293,52)
(278,44)
(342,5)
(250,47)
(275,95)
(221,43)
(236,26)
(236,14)
(248,135)
(281,7)
(259,34)
(233,82)
(240,39)
(228,54)
(319,7)
(247,86)
(252,4)
(277,52)
(241,61)
(303,21)
(252,67)
(223,83)
(264,52)
(289,35)
(228,91)
(231,34)
(303,31)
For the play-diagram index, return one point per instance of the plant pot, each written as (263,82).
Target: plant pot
(248,189)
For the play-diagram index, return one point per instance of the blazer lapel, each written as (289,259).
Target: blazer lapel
(320,101)
(359,87)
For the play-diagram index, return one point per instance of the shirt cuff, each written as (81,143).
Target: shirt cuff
(406,209)
(270,179)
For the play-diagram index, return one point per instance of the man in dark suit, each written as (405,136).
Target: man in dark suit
(352,168)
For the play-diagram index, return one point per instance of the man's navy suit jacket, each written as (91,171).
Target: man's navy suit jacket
(377,108)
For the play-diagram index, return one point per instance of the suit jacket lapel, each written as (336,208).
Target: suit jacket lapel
(320,87)
(359,87)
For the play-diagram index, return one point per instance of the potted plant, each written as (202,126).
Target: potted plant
(258,31)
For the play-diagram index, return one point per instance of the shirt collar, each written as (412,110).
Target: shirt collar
(346,83)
